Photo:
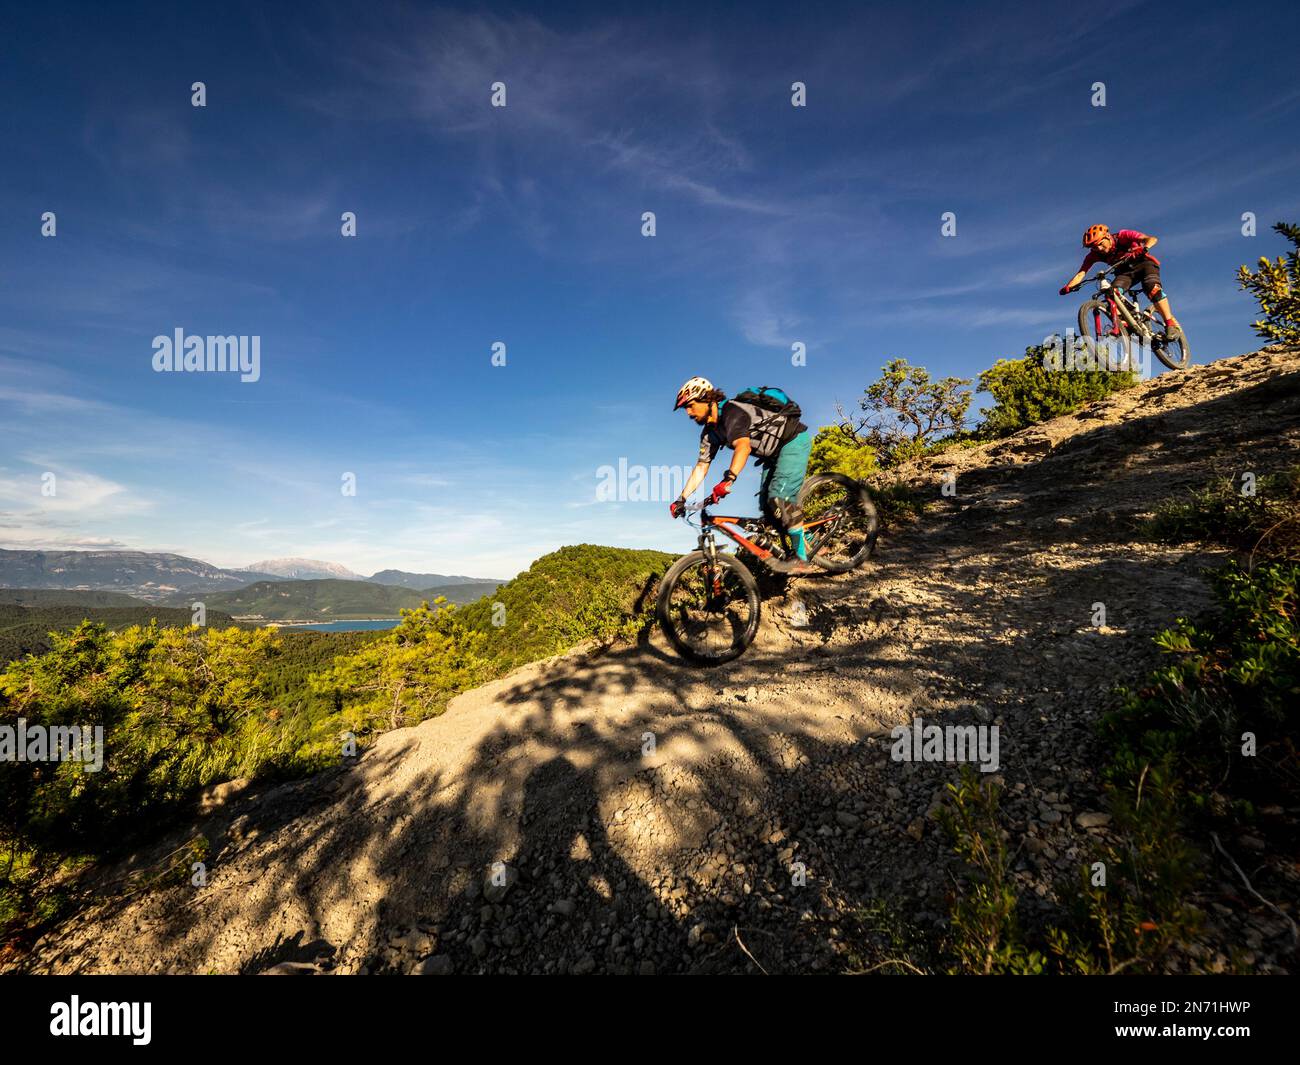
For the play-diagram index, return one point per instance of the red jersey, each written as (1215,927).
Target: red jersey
(1126,240)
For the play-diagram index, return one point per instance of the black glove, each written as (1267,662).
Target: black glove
(677,507)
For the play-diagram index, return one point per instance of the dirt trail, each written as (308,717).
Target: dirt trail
(619,860)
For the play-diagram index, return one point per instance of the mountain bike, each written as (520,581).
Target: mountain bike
(709,605)
(1114,313)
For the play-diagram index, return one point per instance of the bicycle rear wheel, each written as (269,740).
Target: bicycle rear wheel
(709,607)
(840,522)
(1097,320)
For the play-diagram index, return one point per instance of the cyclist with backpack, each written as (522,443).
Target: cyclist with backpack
(762,422)
(1130,251)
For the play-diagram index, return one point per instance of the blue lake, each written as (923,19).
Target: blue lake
(345,626)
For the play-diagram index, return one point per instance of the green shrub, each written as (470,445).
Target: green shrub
(1026,391)
(410,674)
(897,501)
(1265,521)
(578,593)
(1237,672)
(910,411)
(179,709)
(836,449)
(984,933)
(1276,288)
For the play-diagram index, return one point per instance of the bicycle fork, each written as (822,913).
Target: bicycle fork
(714,571)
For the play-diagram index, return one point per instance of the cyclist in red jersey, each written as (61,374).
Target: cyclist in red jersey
(1130,251)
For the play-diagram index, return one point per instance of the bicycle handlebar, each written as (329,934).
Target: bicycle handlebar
(1110,269)
(693,508)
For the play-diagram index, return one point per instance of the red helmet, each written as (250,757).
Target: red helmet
(1094,235)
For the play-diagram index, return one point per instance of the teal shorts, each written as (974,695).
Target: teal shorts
(783,478)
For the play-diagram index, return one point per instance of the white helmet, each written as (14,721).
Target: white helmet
(695,388)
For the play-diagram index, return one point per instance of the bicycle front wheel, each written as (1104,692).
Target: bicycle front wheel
(839,520)
(1173,353)
(1103,329)
(709,607)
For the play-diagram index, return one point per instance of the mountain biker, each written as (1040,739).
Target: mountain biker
(1129,250)
(781,444)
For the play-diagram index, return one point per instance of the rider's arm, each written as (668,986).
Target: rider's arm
(738,460)
(693,481)
(1088,260)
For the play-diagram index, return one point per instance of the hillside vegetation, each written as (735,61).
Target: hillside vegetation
(65,597)
(574,594)
(25,630)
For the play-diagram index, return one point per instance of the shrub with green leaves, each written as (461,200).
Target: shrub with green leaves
(909,410)
(836,449)
(1212,736)
(985,936)
(410,674)
(1026,391)
(1261,515)
(1179,743)
(578,593)
(1238,671)
(179,708)
(1276,288)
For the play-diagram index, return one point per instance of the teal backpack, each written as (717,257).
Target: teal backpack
(773,399)
(781,423)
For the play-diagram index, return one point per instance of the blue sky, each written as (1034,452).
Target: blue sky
(522,224)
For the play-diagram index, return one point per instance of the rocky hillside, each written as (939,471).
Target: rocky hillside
(533,827)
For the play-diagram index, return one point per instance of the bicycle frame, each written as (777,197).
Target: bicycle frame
(730,526)
(1123,303)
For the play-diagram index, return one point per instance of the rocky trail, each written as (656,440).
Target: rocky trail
(618,856)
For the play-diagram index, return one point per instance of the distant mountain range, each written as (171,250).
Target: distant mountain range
(156,576)
(304,569)
(149,575)
(330,599)
(425,580)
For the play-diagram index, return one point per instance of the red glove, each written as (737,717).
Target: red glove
(721,489)
(677,508)
(1066,291)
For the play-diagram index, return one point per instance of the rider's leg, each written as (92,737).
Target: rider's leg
(788,472)
(1161,302)
(1156,294)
